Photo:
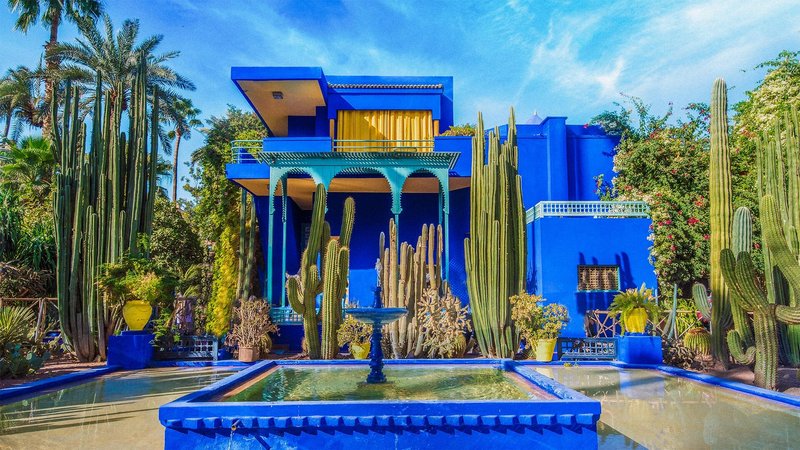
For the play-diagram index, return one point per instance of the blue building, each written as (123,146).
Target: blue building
(378,139)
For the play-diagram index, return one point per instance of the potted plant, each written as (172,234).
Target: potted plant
(634,307)
(355,334)
(251,329)
(136,284)
(539,325)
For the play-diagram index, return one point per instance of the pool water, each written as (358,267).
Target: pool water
(117,411)
(423,382)
(649,409)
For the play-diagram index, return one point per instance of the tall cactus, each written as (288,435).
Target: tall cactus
(103,202)
(741,276)
(779,176)
(742,238)
(494,254)
(720,216)
(333,256)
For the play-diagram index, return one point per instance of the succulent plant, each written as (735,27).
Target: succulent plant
(494,254)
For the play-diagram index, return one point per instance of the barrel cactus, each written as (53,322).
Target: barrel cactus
(698,340)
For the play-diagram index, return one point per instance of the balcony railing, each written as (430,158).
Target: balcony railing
(587,209)
(247,151)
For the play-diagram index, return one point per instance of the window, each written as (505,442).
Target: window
(598,278)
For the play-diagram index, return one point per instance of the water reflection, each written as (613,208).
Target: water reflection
(659,411)
(116,411)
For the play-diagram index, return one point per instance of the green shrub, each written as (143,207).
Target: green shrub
(535,321)
(466,129)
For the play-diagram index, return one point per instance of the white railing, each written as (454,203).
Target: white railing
(241,147)
(588,209)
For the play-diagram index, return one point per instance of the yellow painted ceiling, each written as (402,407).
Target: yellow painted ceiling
(300,98)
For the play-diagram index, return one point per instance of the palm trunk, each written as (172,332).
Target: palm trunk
(175,168)
(52,64)
(8,125)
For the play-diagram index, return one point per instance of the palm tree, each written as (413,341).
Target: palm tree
(51,13)
(183,115)
(20,98)
(28,168)
(115,55)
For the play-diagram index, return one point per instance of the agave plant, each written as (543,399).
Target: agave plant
(16,325)
(627,302)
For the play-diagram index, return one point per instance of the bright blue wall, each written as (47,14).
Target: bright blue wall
(561,244)
(373,212)
(302,126)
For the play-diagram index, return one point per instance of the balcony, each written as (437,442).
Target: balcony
(252,151)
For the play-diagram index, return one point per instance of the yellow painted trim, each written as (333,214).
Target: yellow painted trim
(332,131)
(436,127)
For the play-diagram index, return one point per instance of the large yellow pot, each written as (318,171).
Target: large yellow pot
(544,349)
(635,320)
(136,314)
(360,351)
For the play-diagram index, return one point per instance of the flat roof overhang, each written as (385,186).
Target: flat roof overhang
(302,90)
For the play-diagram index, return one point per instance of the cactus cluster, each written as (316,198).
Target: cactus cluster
(333,256)
(103,201)
(405,273)
(494,254)
(779,176)
(774,305)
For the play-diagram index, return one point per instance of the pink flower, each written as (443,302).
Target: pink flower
(669,237)
(672,247)
(757,245)
(706,237)
(692,221)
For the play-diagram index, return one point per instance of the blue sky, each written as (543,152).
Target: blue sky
(558,58)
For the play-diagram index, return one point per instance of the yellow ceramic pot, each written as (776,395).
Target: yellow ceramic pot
(635,320)
(136,314)
(544,349)
(360,351)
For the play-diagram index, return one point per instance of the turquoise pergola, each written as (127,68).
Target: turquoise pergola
(395,167)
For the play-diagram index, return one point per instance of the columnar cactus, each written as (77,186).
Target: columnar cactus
(403,283)
(741,276)
(742,242)
(103,202)
(494,254)
(334,257)
(779,165)
(720,216)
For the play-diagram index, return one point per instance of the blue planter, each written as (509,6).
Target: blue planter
(132,350)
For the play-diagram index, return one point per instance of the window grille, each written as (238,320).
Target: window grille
(598,278)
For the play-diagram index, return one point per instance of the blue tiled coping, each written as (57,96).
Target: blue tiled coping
(195,421)
(38,387)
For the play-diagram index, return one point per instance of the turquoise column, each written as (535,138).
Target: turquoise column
(270,239)
(283,243)
(444,182)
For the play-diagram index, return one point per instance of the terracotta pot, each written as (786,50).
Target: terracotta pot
(544,349)
(136,314)
(360,351)
(635,320)
(248,354)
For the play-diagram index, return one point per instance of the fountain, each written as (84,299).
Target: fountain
(378,316)
(457,403)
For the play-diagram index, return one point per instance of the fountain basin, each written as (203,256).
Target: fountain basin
(530,409)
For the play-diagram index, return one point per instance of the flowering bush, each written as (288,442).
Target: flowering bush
(351,331)
(535,321)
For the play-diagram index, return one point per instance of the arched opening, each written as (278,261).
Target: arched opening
(372,193)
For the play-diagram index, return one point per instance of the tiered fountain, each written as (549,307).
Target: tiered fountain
(378,316)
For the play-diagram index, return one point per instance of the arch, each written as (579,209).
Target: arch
(443,183)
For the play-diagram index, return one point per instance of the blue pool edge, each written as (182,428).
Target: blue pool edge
(35,388)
